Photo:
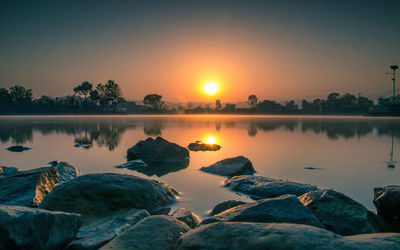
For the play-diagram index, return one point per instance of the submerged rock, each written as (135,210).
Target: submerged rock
(94,195)
(186,216)
(240,235)
(133,165)
(153,232)
(18,148)
(28,188)
(231,167)
(341,214)
(225,205)
(199,146)
(95,234)
(259,187)
(32,228)
(387,203)
(285,208)
(7,170)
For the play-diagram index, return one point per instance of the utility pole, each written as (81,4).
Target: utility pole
(394,68)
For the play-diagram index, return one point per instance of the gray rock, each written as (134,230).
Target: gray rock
(387,203)
(133,165)
(239,235)
(27,188)
(186,216)
(259,187)
(97,233)
(18,148)
(32,228)
(66,172)
(341,214)
(231,167)
(154,232)
(225,205)
(7,170)
(101,194)
(285,208)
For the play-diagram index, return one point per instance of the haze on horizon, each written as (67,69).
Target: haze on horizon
(274,49)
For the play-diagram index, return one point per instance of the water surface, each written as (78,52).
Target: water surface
(351,154)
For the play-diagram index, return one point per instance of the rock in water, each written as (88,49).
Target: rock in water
(153,232)
(240,235)
(186,216)
(341,214)
(387,203)
(285,208)
(28,188)
(66,172)
(32,228)
(18,148)
(199,146)
(94,234)
(7,170)
(259,187)
(231,167)
(158,149)
(94,195)
(225,205)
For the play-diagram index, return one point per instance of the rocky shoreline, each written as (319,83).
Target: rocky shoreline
(54,207)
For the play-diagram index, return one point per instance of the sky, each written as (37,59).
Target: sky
(277,50)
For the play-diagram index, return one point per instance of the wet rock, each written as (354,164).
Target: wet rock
(28,188)
(66,172)
(225,205)
(341,214)
(285,208)
(153,232)
(387,203)
(186,216)
(94,195)
(239,235)
(199,146)
(97,233)
(160,211)
(18,148)
(133,165)
(7,170)
(53,163)
(231,167)
(32,228)
(259,187)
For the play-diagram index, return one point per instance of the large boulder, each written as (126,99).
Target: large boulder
(7,170)
(285,208)
(341,214)
(387,203)
(241,235)
(259,187)
(101,194)
(66,172)
(231,167)
(95,234)
(225,205)
(154,232)
(27,188)
(32,228)
(186,216)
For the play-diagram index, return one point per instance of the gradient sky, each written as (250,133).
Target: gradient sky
(275,49)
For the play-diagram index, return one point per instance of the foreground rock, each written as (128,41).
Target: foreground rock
(199,146)
(186,216)
(154,232)
(100,194)
(18,148)
(387,203)
(279,236)
(231,167)
(32,228)
(259,187)
(97,233)
(285,208)
(66,172)
(28,188)
(225,205)
(341,214)
(7,170)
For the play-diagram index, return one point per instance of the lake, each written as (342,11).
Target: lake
(349,154)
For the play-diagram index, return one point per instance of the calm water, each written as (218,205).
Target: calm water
(353,152)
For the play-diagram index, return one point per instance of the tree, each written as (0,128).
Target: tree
(110,93)
(154,101)
(252,101)
(94,96)
(4,96)
(84,89)
(218,105)
(20,94)
(46,101)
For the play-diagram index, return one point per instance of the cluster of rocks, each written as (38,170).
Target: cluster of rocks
(55,208)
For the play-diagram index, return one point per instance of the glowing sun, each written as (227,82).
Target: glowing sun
(210,88)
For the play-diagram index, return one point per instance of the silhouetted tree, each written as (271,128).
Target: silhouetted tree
(45,101)
(94,96)
(20,94)
(110,93)
(218,105)
(252,101)
(83,89)
(5,96)
(154,101)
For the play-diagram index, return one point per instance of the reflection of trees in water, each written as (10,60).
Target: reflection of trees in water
(16,134)
(153,127)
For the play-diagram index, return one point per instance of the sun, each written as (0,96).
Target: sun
(210,88)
